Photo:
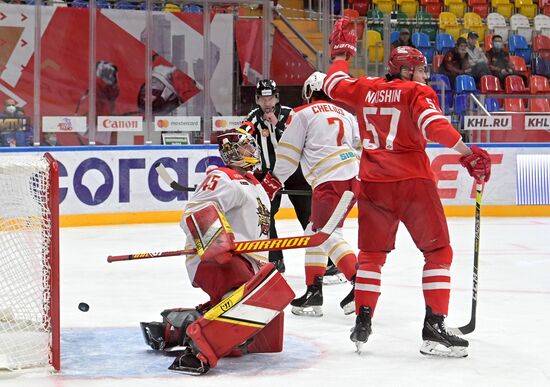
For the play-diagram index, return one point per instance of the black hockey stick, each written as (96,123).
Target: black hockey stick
(304,241)
(161,170)
(469,328)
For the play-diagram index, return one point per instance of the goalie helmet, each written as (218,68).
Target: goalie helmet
(312,84)
(405,56)
(239,149)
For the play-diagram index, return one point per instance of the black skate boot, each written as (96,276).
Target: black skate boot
(348,303)
(362,330)
(333,276)
(438,341)
(310,303)
(188,363)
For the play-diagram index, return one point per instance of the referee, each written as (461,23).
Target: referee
(269,120)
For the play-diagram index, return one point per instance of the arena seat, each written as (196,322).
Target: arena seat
(526,8)
(539,85)
(424,19)
(517,45)
(374,46)
(422,42)
(444,42)
(518,63)
(436,84)
(473,22)
(542,24)
(409,8)
(497,24)
(456,7)
(449,24)
(394,36)
(490,84)
(541,66)
(465,84)
(520,25)
(541,46)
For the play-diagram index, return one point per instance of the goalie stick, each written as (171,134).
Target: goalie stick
(469,328)
(263,244)
(161,170)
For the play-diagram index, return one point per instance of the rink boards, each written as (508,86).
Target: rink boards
(106,185)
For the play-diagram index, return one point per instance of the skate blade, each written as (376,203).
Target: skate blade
(433,348)
(358,347)
(308,311)
(349,308)
(187,371)
(335,279)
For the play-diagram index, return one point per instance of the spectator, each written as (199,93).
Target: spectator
(499,60)
(14,128)
(456,62)
(404,39)
(478,60)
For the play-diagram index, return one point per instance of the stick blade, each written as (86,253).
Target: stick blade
(339,213)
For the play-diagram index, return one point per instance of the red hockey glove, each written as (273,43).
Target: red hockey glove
(478,164)
(271,185)
(343,40)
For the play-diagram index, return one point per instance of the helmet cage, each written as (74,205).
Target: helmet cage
(239,149)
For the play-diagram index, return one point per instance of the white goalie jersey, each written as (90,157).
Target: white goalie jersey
(324,139)
(244,203)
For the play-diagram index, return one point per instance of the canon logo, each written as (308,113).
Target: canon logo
(120,124)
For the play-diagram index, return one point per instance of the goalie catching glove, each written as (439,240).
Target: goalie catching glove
(343,39)
(211,233)
(478,164)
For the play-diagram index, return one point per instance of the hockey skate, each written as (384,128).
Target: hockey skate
(310,304)
(438,341)
(362,330)
(333,276)
(188,363)
(348,303)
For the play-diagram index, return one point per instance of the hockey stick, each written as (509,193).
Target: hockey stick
(161,170)
(264,244)
(469,328)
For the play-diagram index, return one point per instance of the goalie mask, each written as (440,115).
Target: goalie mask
(314,83)
(239,149)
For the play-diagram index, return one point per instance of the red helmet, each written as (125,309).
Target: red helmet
(405,56)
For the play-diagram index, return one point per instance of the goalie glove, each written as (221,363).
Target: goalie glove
(212,234)
(343,39)
(478,164)
(271,185)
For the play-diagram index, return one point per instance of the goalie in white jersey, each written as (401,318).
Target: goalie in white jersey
(322,138)
(230,205)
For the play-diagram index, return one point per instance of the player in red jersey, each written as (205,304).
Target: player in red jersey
(397,115)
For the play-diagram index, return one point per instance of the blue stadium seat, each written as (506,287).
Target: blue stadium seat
(518,45)
(125,5)
(79,4)
(192,8)
(446,105)
(444,42)
(394,36)
(541,66)
(422,42)
(465,84)
(491,104)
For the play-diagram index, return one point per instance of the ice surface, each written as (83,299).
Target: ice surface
(104,347)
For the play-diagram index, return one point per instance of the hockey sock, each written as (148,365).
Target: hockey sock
(368,279)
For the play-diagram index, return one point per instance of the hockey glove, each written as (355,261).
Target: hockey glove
(343,39)
(478,164)
(271,185)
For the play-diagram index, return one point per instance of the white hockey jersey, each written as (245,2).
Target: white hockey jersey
(323,138)
(245,205)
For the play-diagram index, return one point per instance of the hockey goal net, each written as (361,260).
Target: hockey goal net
(29,262)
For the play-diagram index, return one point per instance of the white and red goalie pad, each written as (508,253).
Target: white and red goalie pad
(210,231)
(242,315)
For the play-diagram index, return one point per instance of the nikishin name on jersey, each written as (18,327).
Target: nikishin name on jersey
(383,96)
(320,108)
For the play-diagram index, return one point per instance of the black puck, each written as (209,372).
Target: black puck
(83,307)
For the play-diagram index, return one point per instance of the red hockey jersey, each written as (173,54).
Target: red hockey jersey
(396,119)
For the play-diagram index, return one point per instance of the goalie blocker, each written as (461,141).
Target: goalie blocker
(248,320)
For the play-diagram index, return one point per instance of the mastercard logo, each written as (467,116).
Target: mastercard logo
(220,123)
(163,124)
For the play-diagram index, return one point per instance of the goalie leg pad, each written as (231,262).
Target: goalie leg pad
(211,233)
(240,316)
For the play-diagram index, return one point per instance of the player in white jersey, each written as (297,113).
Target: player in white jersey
(322,138)
(230,205)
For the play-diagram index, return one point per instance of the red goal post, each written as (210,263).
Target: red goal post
(29,261)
